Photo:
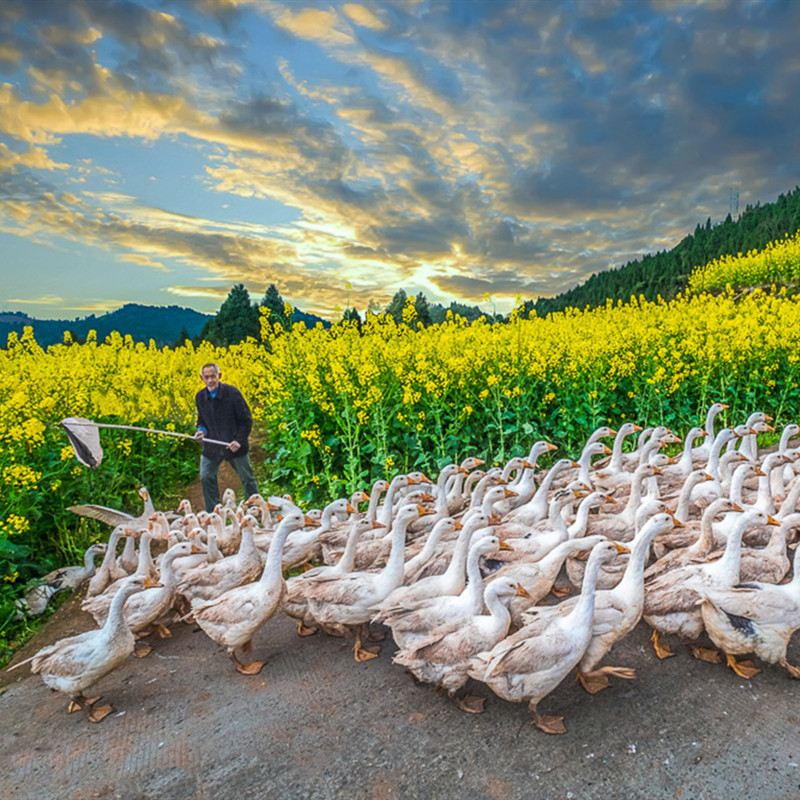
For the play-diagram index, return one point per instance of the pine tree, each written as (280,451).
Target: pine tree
(236,319)
(352,315)
(277,307)
(423,309)
(396,306)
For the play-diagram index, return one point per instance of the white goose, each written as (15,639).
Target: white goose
(233,618)
(35,600)
(757,618)
(348,600)
(702,452)
(74,664)
(536,508)
(529,664)
(295,603)
(617,610)
(443,656)
(413,623)
(672,601)
(209,580)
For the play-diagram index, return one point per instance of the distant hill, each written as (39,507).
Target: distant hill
(163,324)
(667,273)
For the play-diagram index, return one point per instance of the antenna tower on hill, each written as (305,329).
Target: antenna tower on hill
(733,206)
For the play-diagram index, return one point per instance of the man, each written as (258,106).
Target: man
(222,414)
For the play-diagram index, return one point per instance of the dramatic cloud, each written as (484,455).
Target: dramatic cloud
(455,148)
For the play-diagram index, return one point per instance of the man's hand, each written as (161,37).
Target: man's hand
(234,446)
(199,436)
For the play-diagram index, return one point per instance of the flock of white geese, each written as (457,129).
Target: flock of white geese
(465,571)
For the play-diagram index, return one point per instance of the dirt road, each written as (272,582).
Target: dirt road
(315,724)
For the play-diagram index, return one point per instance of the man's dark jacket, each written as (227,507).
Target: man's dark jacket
(225,417)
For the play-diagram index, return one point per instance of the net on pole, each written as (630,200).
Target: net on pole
(84,437)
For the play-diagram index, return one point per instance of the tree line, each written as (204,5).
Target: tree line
(666,273)
(663,274)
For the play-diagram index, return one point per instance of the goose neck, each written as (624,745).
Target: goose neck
(726,568)
(115,622)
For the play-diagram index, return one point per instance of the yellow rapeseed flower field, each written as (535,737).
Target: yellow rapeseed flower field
(335,409)
(777,263)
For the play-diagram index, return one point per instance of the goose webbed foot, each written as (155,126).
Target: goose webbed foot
(253,668)
(744,669)
(361,653)
(706,654)
(304,630)
(99,713)
(141,650)
(561,591)
(547,723)
(80,702)
(597,680)
(662,651)
(163,631)
(470,703)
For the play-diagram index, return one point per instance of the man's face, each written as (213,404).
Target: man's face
(210,378)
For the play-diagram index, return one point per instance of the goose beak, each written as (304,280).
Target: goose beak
(758,471)
(151,584)
(772,521)
(457,525)
(551,447)
(737,507)
(637,428)
(606,450)
(425,479)
(609,499)
(522,592)
(612,432)
(657,471)
(621,548)
(196,551)
(676,523)
(376,525)
(349,508)
(494,519)
(768,418)
(509,493)
(423,511)
(479,462)
(311,523)
(504,545)
(575,464)
(723,406)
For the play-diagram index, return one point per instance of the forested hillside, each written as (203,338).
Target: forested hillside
(667,273)
(163,324)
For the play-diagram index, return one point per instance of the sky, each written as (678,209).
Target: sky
(161,152)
